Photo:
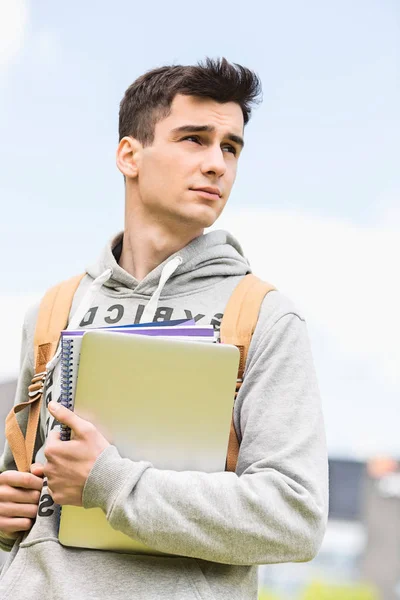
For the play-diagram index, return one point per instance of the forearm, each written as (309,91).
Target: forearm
(257,518)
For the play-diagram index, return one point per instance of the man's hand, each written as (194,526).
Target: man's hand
(19,498)
(69,463)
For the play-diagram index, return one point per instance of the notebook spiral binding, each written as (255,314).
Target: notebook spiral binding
(67,351)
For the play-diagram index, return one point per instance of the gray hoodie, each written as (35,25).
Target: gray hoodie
(219,526)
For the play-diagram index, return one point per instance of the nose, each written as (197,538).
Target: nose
(214,161)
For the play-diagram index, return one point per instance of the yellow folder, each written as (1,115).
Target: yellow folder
(166,401)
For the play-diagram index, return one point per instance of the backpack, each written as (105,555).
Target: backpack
(237,327)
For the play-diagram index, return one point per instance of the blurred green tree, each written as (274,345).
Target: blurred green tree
(322,591)
(268,595)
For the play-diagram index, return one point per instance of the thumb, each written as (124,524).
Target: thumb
(37,469)
(66,416)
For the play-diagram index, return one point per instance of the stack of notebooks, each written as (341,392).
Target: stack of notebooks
(161,393)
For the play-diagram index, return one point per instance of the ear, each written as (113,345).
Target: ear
(127,158)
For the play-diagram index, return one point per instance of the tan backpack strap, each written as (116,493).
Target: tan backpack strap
(237,327)
(52,319)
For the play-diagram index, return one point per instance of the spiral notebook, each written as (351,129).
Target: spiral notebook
(165,400)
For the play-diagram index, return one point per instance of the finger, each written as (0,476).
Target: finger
(53,436)
(15,524)
(21,480)
(37,469)
(11,509)
(67,417)
(12,494)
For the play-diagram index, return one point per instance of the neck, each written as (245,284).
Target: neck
(149,241)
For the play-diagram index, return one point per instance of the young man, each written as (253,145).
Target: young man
(181,135)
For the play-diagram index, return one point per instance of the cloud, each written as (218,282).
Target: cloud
(13,21)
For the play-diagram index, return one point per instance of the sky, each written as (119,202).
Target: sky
(316,204)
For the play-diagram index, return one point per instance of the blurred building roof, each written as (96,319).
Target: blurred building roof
(346,481)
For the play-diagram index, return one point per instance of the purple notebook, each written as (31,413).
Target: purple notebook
(190,331)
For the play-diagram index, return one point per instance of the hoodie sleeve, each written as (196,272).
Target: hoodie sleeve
(26,373)
(274,508)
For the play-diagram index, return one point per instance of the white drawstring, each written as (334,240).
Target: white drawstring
(81,311)
(93,290)
(87,299)
(166,273)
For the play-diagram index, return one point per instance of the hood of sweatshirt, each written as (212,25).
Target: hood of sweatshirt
(203,262)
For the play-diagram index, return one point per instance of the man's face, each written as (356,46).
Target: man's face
(187,173)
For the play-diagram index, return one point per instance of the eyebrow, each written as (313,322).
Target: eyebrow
(207,129)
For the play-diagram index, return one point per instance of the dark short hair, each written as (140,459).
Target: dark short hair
(148,99)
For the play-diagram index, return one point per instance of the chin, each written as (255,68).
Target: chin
(203,223)
(203,218)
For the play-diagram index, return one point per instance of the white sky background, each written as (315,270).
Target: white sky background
(316,204)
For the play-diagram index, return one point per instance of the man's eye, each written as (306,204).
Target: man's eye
(193,138)
(230,148)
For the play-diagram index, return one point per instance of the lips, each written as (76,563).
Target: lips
(208,190)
